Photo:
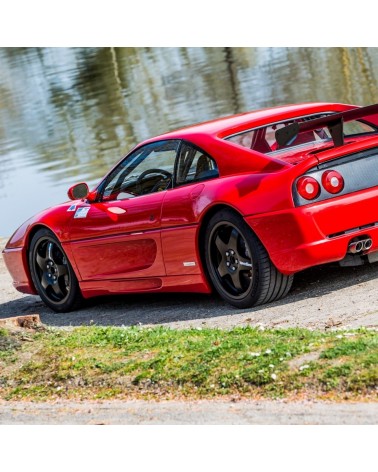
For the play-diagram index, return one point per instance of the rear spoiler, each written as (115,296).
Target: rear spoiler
(334,122)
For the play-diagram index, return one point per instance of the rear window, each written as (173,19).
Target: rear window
(263,139)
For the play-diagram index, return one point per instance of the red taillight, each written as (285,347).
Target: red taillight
(308,188)
(332,181)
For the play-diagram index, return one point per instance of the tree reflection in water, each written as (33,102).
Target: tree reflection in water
(68,114)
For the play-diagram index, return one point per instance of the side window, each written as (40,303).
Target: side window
(194,165)
(244,139)
(147,170)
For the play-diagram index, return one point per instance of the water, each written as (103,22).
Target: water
(69,114)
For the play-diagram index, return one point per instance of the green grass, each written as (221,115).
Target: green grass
(8,344)
(107,362)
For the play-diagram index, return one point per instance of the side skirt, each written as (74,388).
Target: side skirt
(178,283)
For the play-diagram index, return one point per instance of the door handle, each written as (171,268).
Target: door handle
(116,210)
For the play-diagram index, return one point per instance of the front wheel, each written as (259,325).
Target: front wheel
(52,274)
(238,265)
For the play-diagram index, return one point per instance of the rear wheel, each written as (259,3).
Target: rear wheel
(238,264)
(52,274)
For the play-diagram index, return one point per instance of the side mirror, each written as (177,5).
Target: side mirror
(78,191)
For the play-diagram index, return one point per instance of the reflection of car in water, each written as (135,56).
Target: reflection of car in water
(237,205)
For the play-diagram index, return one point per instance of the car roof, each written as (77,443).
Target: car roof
(229,125)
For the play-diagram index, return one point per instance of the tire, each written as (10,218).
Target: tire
(52,273)
(238,265)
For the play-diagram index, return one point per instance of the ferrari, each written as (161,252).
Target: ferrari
(237,205)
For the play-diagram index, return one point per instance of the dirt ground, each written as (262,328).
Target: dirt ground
(194,412)
(321,298)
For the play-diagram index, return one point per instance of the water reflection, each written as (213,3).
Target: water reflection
(68,114)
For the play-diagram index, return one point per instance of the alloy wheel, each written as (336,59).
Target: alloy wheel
(51,269)
(231,259)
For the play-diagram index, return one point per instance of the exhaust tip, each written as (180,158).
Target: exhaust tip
(359,246)
(355,247)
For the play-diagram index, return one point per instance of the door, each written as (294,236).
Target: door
(119,236)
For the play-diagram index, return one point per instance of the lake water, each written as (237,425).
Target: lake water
(68,114)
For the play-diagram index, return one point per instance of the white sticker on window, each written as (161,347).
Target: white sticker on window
(81,212)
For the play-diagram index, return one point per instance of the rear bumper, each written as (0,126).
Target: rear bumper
(15,261)
(303,237)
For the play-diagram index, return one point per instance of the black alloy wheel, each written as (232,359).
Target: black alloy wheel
(52,274)
(238,264)
(230,259)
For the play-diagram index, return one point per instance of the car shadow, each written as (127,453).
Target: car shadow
(160,308)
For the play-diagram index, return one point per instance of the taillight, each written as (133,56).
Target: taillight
(308,188)
(332,181)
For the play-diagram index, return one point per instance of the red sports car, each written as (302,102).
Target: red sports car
(238,205)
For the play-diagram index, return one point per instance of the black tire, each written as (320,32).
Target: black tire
(238,265)
(52,273)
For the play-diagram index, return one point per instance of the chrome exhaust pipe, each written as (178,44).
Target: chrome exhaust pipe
(367,244)
(356,247)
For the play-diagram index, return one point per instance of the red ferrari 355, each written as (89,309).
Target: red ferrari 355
(236,205)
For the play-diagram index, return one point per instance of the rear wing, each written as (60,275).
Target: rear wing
(334,122)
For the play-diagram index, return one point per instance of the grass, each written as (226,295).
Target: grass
(162,363)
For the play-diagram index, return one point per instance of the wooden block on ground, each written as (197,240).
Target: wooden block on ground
(27,321)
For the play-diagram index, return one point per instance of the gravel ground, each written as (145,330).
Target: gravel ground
(323,297)
(198,413)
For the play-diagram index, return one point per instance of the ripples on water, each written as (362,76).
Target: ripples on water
(68,114)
